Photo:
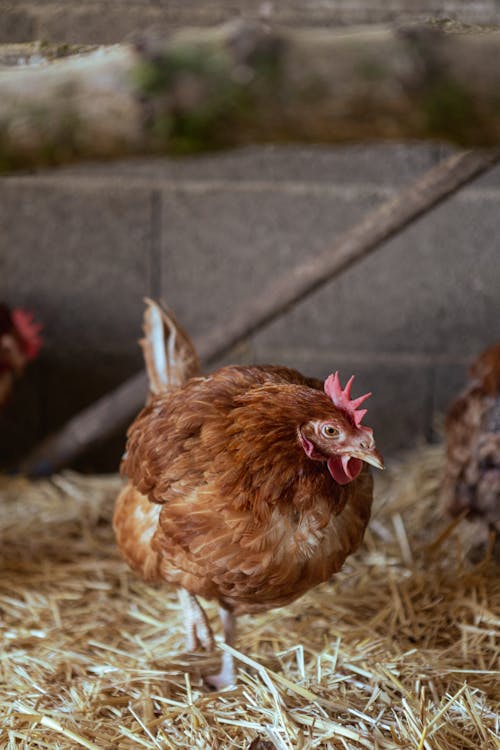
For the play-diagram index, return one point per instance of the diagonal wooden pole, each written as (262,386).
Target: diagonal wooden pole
(113,410)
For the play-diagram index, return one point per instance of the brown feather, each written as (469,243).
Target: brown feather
(472,474)
(165,342)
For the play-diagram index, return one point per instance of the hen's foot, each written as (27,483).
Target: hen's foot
(198,631)
(226,677)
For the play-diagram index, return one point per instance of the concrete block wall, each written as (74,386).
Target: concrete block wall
(83,245)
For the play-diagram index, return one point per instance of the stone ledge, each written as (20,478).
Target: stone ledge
(105,22)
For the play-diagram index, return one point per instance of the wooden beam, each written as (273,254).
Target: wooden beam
(246,83)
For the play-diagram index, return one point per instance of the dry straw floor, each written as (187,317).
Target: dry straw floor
(400,651)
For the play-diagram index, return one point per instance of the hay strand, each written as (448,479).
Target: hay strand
(401,650)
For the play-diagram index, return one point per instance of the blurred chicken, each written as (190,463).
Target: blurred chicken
(248,486)
(20,342)
(472,476)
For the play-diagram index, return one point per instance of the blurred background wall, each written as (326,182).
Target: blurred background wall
(82,246)
(109,21)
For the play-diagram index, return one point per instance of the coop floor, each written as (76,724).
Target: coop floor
(399,651)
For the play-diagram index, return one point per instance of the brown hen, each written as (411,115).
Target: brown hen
(247,486)
(472,475)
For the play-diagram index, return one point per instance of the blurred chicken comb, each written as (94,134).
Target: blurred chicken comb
(28,330)
(342,399)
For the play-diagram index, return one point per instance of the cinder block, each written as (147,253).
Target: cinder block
(434,290)
(448,381)
(79,256)
(80,259)
(222,247)
(370,166)
(491,179)
(465,280)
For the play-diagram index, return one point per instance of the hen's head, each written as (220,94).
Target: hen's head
(20,339)
(338,438)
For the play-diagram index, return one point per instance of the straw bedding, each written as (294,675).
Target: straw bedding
(401,650)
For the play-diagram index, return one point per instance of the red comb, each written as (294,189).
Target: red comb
(29,331)
(342,398)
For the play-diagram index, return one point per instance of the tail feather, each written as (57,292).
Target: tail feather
(169,354)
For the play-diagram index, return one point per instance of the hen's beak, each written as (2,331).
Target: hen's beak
(371,457)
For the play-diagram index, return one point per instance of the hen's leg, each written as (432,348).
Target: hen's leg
(198,630)
(226,676)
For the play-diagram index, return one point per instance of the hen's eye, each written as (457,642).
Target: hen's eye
(329,430)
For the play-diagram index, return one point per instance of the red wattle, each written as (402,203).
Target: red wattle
(344,475)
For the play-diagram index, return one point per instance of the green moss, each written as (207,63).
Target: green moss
(157,75)
(450,110)
(371,71)
(56,141)
(53,51)
(193,94)
(208,125)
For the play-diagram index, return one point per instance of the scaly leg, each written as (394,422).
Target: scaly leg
(226,676)
(198,631)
